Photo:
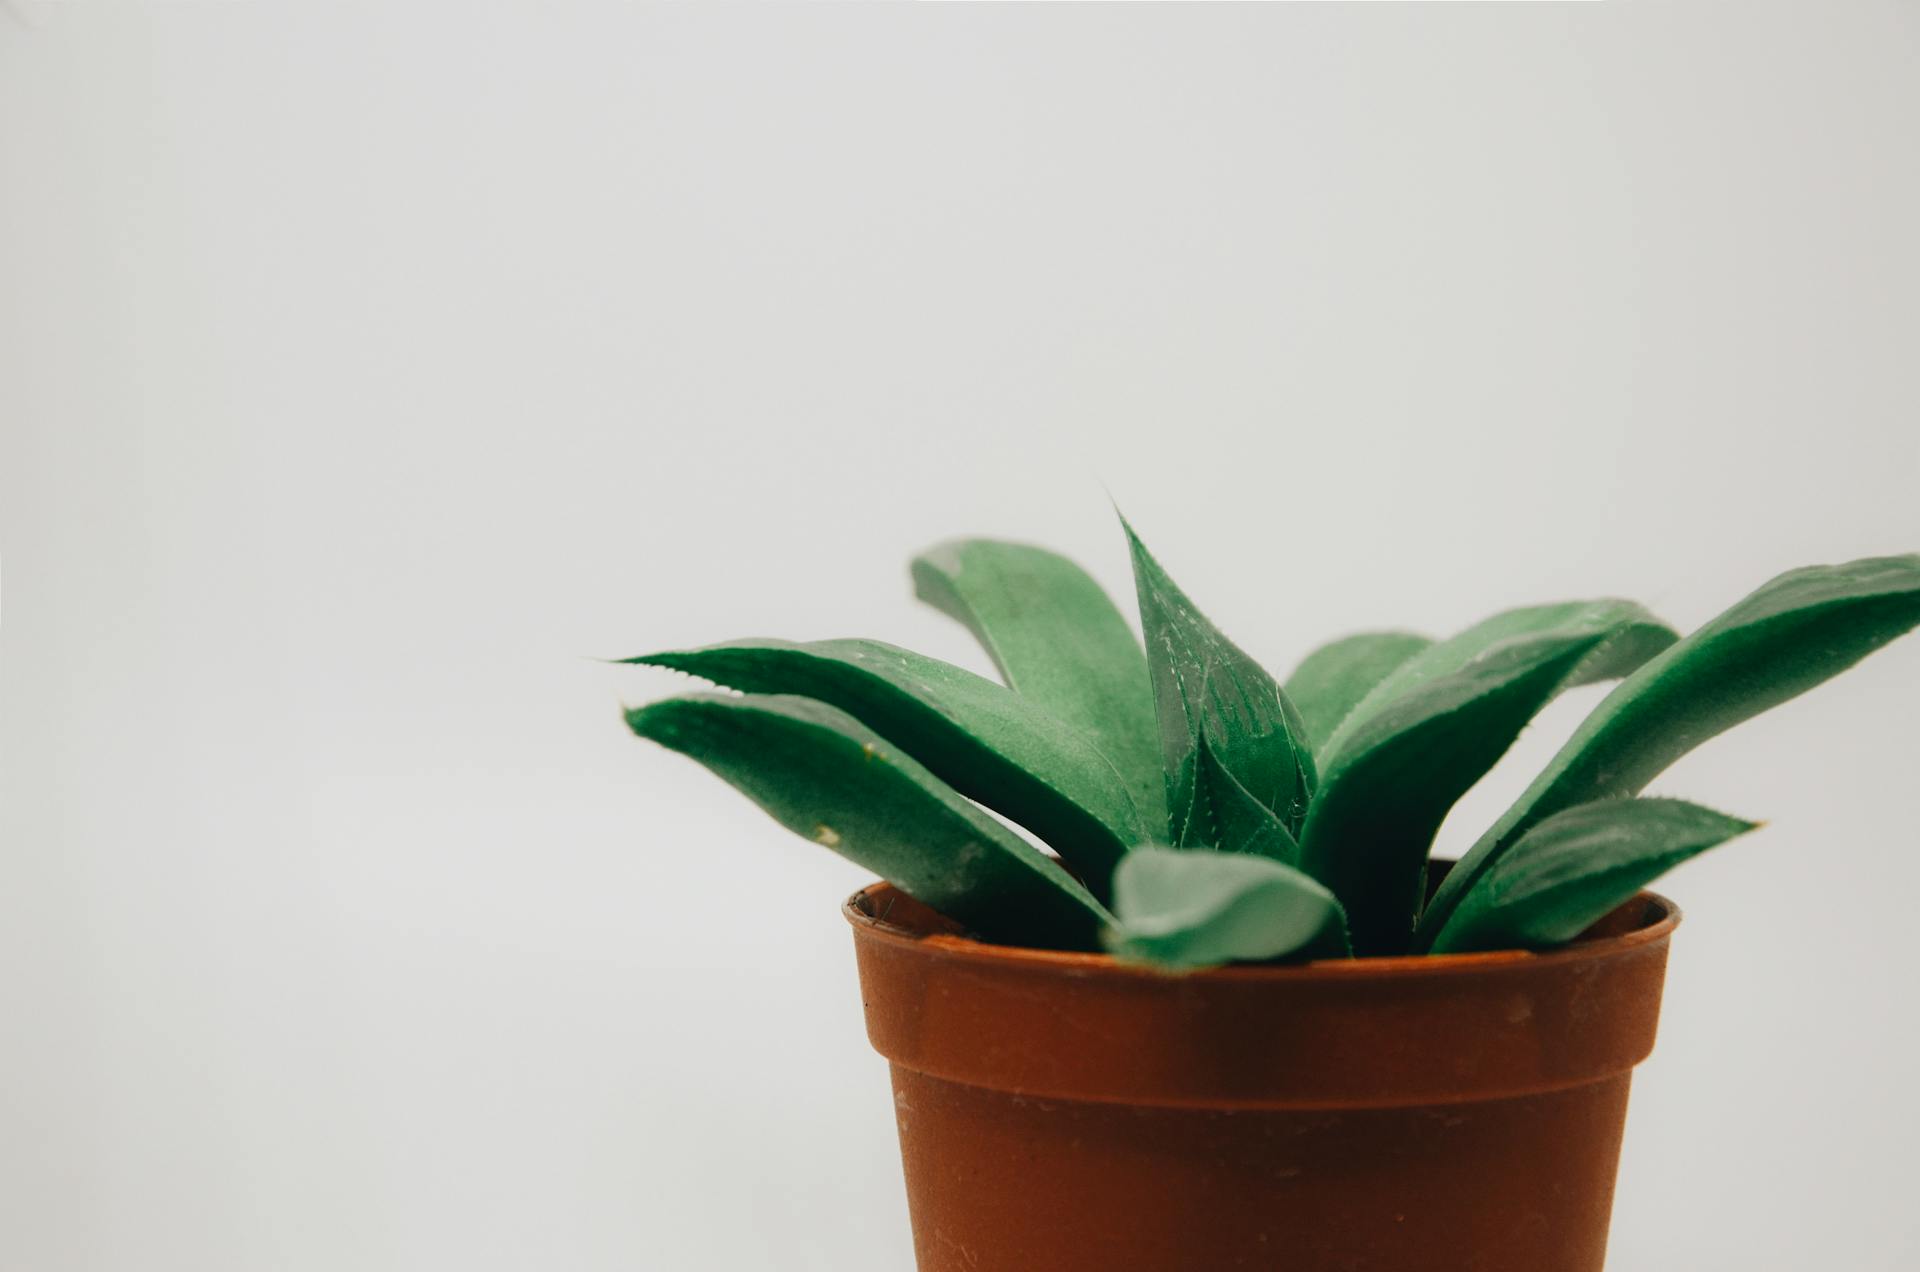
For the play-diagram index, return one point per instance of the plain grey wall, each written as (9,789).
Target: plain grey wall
(363,370)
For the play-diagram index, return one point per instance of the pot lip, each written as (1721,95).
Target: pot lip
(1661,916)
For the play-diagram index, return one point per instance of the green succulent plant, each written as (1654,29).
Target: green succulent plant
(1204,813)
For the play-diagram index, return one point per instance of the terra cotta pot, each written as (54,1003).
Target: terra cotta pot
(1063,1112)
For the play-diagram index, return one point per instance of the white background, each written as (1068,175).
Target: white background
(364,372)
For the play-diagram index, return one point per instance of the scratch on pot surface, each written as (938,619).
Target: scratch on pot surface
(825,834)
(973,1260)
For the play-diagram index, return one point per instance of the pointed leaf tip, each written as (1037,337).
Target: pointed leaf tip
(1795,631)
(1570,870)
(1206,687)
(831,780)
(989,743)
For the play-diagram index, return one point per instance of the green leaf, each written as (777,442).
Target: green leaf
(1058,640)
(1241,823)
(1331,681)
(1385,793)
(1205,687)
(825,776)
(1796,631)
(1634,636)
(984,740)
(1185,908)
(1571,869)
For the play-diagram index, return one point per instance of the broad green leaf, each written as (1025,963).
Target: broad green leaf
(1186,908)
(1384,794)
(1796,631)
(1241,823)
(1571,869)
(1205,687)
(1057,639)
(1633,636)
(827,777)
(1331,681)
(984,740)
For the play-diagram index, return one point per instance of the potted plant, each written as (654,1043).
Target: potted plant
(1237,1018)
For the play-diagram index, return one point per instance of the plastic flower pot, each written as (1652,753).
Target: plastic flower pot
(1064,1112)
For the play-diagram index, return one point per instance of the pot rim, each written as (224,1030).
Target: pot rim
(1657,921)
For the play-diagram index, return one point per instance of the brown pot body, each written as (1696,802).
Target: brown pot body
(1066,1113)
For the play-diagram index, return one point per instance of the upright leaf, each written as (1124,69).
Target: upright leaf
(1796,631)
(1205,687)
(1057,639)
(1385,793)
(1633,636)
(825,776)
(1331,681)
(984,740)
(1571,869)
(1184,909)
(1241,822)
